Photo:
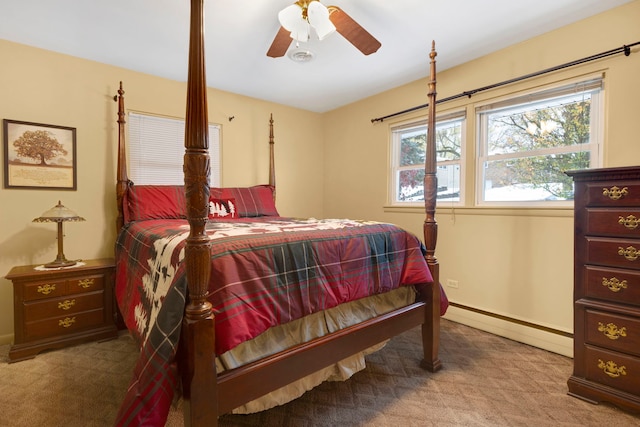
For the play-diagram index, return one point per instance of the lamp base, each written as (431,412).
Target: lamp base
(59,263)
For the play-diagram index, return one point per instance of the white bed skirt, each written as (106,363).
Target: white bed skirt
(302,330)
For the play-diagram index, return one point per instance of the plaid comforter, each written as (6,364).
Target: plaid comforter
(264,273)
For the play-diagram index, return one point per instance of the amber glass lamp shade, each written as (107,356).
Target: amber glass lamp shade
(59,214)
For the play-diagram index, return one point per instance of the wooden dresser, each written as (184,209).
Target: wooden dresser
(607,287)
(60,307)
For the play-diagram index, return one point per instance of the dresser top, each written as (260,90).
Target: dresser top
(617,173)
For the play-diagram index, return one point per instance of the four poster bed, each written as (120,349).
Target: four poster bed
(213,282)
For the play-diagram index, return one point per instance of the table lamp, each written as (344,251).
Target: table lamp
(59,214)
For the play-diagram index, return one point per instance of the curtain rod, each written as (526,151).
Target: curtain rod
(626,49)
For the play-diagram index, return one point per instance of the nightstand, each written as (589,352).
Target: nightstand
(54,308)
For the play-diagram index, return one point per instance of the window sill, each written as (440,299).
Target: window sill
(564,211)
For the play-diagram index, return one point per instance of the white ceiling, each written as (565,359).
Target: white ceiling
(151,36)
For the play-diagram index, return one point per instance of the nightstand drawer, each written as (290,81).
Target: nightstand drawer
(623,253)
(613,331)
(616,370)
(612,284)
(64,324)
(46,289)
(57,288)
(614,193)
(612,222)
(53,307)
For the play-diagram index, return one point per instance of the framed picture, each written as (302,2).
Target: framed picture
(39,156)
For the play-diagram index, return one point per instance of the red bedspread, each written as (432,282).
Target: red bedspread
(264,272)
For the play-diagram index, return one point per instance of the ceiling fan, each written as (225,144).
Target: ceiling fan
(297,19)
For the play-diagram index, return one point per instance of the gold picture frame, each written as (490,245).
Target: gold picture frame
(39,156)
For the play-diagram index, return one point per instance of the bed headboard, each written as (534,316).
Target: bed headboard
(132,200)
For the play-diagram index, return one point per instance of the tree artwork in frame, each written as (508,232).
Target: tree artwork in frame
(39,156)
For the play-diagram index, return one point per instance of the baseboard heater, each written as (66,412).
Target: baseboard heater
(512,320)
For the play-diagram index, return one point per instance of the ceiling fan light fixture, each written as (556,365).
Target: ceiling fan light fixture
(291,18)
(318,16)
(299,17)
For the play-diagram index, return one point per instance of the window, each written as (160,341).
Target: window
(527,143)
(156,150)
(408,144)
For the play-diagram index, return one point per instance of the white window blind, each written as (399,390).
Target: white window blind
(156,150)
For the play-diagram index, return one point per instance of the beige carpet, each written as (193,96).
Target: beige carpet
(486,381)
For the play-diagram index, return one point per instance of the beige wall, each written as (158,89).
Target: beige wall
(511,262)
(44,87)
(515,263)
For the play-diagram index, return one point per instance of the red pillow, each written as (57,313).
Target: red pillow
(250,201)
(222,208)
(155,202)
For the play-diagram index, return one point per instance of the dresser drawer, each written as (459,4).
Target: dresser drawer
(613,193)
(612,252)
(612,222)
(613,369)
(612,284)
(56,326)
(56,288)
(64,306)
(613,331)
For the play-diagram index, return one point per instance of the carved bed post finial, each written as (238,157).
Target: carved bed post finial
(122,178)
(272,163)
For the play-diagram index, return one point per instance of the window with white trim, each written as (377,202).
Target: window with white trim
(526,144)
(408,145)
(156,150)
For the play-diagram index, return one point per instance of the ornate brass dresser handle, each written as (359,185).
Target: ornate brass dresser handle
(630,253)
(612,369)
(46,289)
(68,321)
(66,304)
(614,284)
(630,222)
(85,283)
(612,331)
(615,193)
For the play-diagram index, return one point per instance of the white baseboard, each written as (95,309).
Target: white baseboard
(525,334)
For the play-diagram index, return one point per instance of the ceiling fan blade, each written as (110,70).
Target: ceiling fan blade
(280,44)
(352,31)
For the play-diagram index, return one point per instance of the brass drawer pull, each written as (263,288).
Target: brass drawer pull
(615,193)
(630,253)
(66,304)
(612,369)
(46,289)
(614,284)
(86,283)
(612,331)
(630,222)
(68,321)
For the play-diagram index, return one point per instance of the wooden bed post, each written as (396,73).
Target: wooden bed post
(431,327)
(198,352)
(272,163)
(122,178)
